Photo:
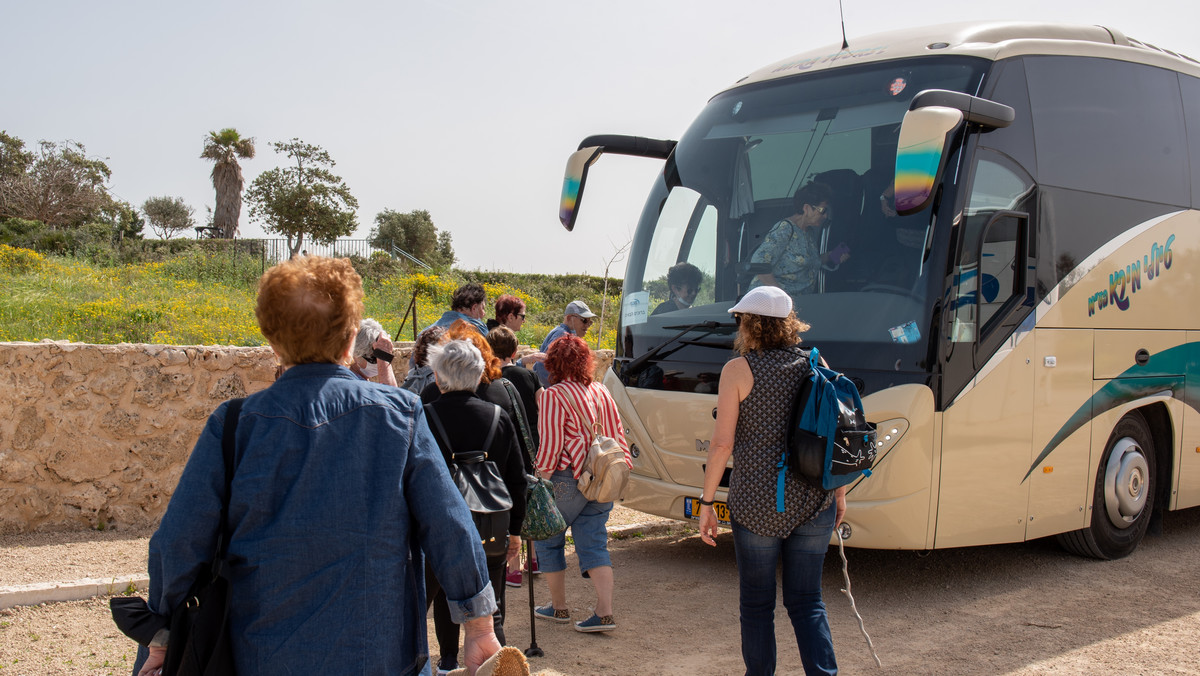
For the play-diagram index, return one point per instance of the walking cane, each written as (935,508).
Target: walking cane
(533,650)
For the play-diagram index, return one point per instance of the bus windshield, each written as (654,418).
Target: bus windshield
(722,219)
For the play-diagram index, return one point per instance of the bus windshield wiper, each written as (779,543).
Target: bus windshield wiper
(638,364)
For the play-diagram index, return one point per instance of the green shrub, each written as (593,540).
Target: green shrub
(376,268)
(16,231)
(16,260)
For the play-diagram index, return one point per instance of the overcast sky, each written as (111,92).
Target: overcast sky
(466,109)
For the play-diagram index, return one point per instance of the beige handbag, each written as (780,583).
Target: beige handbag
(605,472)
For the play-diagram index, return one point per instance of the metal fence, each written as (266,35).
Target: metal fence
(275,250)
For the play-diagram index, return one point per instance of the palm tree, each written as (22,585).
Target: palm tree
(224,148)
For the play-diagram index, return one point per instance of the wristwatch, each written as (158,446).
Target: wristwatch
(702,501)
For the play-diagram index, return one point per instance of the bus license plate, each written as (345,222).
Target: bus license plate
(691,509)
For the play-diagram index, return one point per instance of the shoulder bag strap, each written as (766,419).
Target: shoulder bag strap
(599,424)
(228,445)
(519,410)
(487,443)
(438,429)
(583,421)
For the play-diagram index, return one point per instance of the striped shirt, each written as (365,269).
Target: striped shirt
(564,441)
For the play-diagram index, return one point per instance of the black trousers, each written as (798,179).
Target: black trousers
(444,628)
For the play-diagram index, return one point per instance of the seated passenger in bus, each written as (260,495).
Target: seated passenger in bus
(888,245)
(792,248)
(683,282)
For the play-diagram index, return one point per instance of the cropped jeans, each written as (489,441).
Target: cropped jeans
(587,520)
(803,559)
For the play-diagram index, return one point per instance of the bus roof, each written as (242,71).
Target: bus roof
(993,41)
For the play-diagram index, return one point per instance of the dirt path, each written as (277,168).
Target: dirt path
(1010,609)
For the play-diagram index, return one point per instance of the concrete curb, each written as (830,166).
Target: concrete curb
(86,588)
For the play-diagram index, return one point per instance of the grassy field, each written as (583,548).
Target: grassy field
(200,298)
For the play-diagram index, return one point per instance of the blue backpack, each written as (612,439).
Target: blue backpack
(829,441)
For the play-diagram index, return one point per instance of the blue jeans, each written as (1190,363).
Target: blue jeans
(803,558)
(587,520)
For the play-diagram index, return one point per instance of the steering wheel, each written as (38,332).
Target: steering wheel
(886,288)
(908,293)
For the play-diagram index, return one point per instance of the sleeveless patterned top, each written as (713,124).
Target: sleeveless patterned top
(758,444)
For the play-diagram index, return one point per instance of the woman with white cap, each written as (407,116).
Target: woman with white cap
(753,405)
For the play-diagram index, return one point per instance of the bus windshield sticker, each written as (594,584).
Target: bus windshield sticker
(897,86)
(636,308)
(905,333)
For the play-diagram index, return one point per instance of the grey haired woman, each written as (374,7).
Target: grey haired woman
(372,354)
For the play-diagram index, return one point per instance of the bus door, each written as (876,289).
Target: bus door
(987,430)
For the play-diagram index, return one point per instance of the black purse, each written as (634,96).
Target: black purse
(482,487)
(199,643)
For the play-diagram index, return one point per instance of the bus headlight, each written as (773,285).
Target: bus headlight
(888,434)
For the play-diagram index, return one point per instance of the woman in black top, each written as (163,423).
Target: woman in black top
(467,421)
(504,346)
(526,383)
(770,520)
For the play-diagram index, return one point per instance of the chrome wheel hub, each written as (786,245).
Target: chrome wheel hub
(1125,483)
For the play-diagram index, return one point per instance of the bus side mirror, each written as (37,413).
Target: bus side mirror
(932,118)
(573,181)
(589,151)
(921,155)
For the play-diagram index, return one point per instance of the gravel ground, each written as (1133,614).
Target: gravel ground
(63,557)
(1016,610)
(78,637)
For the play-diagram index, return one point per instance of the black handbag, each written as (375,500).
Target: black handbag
(482,487)
(202,621)
(199,643)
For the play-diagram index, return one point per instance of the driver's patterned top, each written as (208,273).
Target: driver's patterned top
(794,256)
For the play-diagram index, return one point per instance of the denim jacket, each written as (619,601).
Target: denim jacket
(338,487)
(450,316)
(539,368)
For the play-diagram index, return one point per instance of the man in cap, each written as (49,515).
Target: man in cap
(577,318)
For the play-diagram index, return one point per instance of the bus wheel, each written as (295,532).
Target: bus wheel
(1123,499)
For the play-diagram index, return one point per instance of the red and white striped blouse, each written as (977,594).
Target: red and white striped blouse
(564,441)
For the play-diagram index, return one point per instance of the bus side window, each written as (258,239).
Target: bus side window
(1190,88)
(991,245)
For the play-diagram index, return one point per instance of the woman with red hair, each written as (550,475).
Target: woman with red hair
(567,411)
(510,312)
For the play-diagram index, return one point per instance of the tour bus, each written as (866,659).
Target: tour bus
(1018,309)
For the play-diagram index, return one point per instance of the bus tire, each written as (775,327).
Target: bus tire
(1123,499)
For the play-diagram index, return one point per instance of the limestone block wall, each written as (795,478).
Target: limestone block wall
(96,436)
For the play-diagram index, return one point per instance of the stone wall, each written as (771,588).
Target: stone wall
(96,436)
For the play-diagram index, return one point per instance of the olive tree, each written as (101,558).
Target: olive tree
(415,233)
(168,216)
(303,200)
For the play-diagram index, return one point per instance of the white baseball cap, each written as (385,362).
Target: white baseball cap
(578,307)
(767,301)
